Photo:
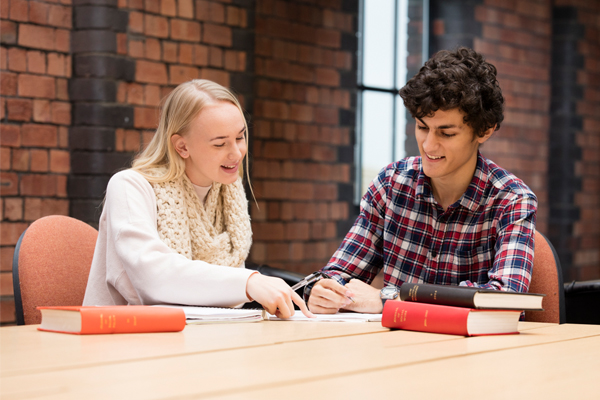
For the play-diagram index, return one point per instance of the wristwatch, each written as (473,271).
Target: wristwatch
(389,293)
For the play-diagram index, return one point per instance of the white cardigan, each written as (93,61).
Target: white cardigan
(132,265)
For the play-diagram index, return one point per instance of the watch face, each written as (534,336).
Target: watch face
(389,292)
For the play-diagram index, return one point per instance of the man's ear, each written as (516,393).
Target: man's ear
(180,146)
(488,134)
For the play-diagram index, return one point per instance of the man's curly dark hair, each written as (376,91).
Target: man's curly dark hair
(457,79)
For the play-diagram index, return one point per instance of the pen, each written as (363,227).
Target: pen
(312,278)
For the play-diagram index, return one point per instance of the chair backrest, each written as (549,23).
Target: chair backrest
(51,265)
(546,278)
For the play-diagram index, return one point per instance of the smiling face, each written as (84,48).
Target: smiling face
(448,147)
(214,147)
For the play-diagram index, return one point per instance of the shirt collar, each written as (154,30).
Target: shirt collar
(472,196)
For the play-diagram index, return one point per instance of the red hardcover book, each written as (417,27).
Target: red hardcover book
(450,320)
(84,320)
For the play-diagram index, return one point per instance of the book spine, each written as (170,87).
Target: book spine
(437,294)
(131,319)
(425,317)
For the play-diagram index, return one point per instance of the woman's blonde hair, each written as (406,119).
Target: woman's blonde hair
(159,162)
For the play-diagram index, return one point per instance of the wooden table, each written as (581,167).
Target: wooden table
(283,360)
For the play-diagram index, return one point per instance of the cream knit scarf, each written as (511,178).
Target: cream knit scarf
(217,231)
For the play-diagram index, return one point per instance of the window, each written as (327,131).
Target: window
(382,71)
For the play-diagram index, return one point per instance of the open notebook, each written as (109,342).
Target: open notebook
(338,317)
(204,315)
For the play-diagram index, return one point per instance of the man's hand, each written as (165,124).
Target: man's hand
(328,296)
(367,298)
(275,295)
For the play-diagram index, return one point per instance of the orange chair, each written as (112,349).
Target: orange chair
(51,265)
(546,278)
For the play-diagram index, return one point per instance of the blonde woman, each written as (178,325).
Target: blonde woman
(175,227)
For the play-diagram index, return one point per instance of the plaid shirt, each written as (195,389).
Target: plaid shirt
(485,239)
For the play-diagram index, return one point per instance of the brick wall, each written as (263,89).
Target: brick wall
(576,142)
(305,79)
(35,113)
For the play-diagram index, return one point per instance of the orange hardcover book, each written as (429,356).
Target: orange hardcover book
(84,320)
(433,318)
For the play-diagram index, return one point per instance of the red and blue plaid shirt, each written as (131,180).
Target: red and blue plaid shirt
(485,239)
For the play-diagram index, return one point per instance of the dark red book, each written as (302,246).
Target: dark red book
(433,318)
(84,320)
(471,297)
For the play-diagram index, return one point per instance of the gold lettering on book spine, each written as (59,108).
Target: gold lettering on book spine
(425,320)
(101,321)
(412,293)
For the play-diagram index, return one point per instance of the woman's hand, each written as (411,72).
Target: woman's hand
(275,296)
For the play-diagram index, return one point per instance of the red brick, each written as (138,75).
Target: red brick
(60,16)
(62,41)
(36,86)
(6,286)
(219,76)
(169,51)
(60,161)
(39,185)
(136,4)
(136,22)
(200,55)
(6,257)
(185,30)
(168,7)
(10,183)
(63,137)
(4,10)
(122,43)
(5,158)
(8,32)
(151,72)
(186,54)
(20,159)
(135,93)
(152,95)
(152,49)
(218,35)
(18,109)
(3,58)
(156,26)
(11,135)
(37,37)
(42,111)
(62,89)
(152,6)
(39,160)
(185,9)
(144,117)
(11,231)
(8,84)
(179,74)
(19,10)
(55,207)
(36,62)
(56,64)
(215,57)
(61,113)
(131,140)
(136,48)
(7,312)
(17,59)
(37,135)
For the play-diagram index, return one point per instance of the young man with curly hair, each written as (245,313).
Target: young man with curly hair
(447,217)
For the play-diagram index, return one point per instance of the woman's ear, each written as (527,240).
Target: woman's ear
(180,146)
